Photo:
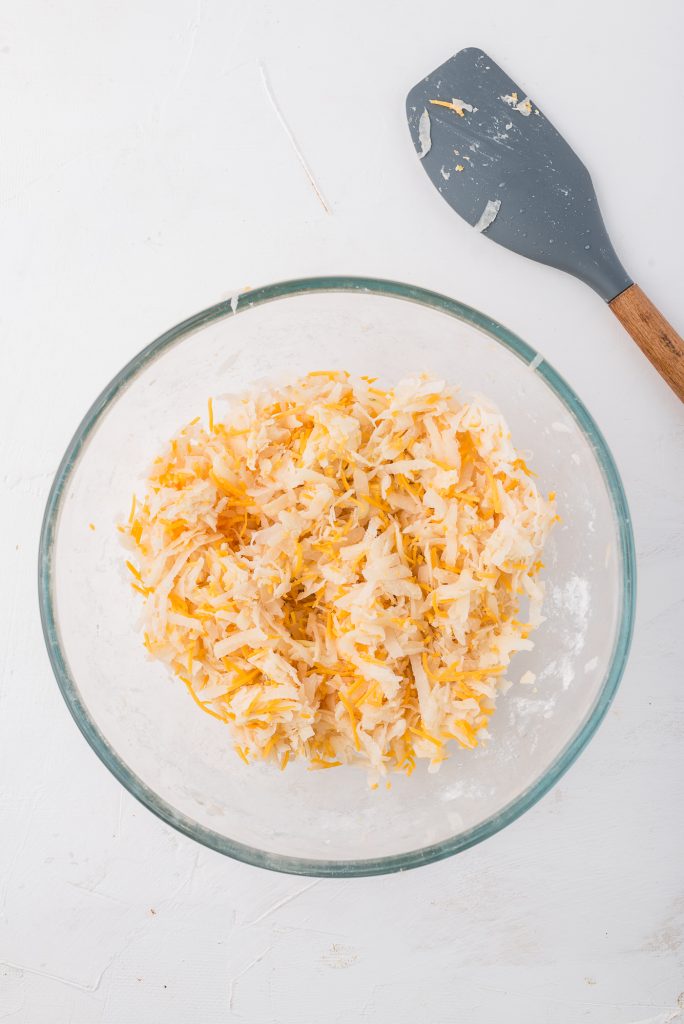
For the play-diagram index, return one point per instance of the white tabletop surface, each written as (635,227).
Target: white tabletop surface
(144,175)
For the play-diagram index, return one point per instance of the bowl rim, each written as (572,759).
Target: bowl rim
(367,866)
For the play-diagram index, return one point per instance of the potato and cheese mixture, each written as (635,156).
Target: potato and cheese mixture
(335,569)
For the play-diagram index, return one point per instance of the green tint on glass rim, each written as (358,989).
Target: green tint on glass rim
(490,332)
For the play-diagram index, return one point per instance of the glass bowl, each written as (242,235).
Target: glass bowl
(179,762)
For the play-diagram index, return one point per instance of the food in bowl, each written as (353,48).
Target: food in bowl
(337,570)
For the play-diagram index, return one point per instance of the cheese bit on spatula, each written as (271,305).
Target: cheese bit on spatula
(499,162)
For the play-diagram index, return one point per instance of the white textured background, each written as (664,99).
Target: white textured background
(143,176)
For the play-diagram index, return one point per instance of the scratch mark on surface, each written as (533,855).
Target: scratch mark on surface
(185,883)
(301,929)
(14,1010)
(55,977)
(15,480)
(293,141)
(8,648)
(105,1006)
(97,893)
(664,611)
(20,192)
(133,937)
(551,1001)
(119,817)
(17,853)
(281,903)
(662,1018)
(250,965)
(194,29)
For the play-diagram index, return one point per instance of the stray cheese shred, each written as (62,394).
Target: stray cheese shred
(336,570)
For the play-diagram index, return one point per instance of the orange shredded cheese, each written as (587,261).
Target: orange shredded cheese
(334,569)
(450,106)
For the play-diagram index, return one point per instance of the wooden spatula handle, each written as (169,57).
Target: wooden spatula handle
(656,338)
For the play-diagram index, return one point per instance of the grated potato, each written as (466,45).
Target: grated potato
(335,570)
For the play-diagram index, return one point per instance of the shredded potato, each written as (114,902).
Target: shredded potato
(335,570)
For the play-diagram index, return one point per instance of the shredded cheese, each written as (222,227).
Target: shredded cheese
(334,569)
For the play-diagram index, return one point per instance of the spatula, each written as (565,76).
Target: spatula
(499,162)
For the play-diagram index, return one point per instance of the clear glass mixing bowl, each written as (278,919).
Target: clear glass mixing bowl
(179,762)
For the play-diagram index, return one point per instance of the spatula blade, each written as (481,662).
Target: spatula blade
(499,162)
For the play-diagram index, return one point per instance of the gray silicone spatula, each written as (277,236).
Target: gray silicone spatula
(499,162)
